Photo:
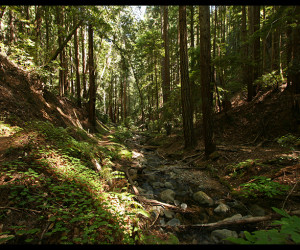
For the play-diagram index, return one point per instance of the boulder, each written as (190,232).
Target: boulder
(222,208)
(169,214)
(156,184)
(234,217)
(219,236)
(174,222)
(169,185)
(202,198)
(167,195)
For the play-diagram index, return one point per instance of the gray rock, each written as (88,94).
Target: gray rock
(156,184)
(176,202)
(257,210)
(151,176)
(202,198)
(149,194)
(222,208)
(174,222)
(169,214)
(167,195)
(169,185)
(218,236)
(183,206)
(162,222)
(234,217)
(159,210)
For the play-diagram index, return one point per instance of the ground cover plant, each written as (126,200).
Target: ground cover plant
(52,178)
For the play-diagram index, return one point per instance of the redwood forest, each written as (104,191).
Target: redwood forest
(157,124)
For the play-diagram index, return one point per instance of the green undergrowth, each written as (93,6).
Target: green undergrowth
(51,193)
(287,232)
(258,185)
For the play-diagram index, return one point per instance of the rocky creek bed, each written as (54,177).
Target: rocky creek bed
(184,200)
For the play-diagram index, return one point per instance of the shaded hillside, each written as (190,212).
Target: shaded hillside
(268,116)
(23,98)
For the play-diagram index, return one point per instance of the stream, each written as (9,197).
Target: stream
(194,198)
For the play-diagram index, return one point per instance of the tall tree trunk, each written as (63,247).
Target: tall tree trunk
(256,45)
(275,46)
(205,67)
(78,88)
(295,70)
(92,89)
(38,19)
(166,75)
(2,9)
(264,41)
(289,46)
(82,34)
(11,34)
(59,35)
(193,61)
(186,100)
(213,71)
(244,50)
(250,54)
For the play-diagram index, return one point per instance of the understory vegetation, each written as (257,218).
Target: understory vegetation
(51,176)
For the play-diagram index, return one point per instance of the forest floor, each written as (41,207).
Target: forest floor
(255,152)
(253,139)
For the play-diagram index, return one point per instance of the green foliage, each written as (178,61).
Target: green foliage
(289,232)
(269,80)
(288,141)
(7,130)
(55,179)
(121,134)
(240,168)
(153,239)
(264,186)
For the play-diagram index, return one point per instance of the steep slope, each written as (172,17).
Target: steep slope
(24,98)
(57,183)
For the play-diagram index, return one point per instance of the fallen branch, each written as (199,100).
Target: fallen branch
(145,200)
(19,209)
(236,221)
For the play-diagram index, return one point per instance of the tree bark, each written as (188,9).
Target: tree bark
(59,35)
(244,48)
(92,90)
(38,33)
(186,100)
(82,34)
(205,67)
(64,43)
(250,54)
(166,71)
(256,45)
(78,88)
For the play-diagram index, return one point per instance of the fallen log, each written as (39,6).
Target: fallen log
(234,222)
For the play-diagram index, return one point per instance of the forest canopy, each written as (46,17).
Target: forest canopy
(129,68)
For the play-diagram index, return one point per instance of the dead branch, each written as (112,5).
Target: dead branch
(237,221)
(142,199)
(21,208)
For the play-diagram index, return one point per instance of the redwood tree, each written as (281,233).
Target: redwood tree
(186,100)
(92,90)
(205,62)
